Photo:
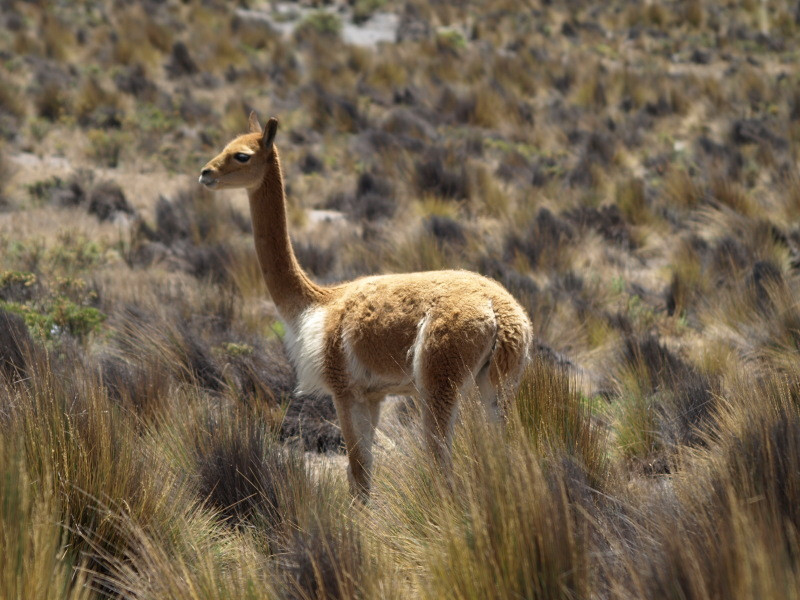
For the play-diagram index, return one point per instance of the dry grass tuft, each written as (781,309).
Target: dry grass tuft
(469,535)
(559,421)
(38,563)
(86,455)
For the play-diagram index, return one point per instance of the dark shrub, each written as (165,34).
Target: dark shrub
(261,372)
(727,157)
(15,345)
(543,170)
(329,110)
(606,220)
(686,402)
(654,361)
(514,166)
(14,21)
(146,254)
(409,95)
(600,147)
(135,384)
(203,212)
(445,230)
(522,287)
(546,235)
(60,192)
(317,259)
(701,57)
(106,200)
(598,150)
(756,131)
(190,215)
(50,90)
(180,62)
(212,262)
(172,221)
(133,80)
(763,461)
(373,207)
(312,421)
(661,107)
(324,561)
(462,108)
(241,221)
(371,183)
(341,201)
(728,256)
(310,163)
(245,474)
(374,199)
(406,122)
(435,176)
(199,365)
(764,276)
(191,234)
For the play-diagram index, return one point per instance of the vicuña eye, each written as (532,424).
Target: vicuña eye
(241,157)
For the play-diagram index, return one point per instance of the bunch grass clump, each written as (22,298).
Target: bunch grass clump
(501,525)
(560,421)
(38,563)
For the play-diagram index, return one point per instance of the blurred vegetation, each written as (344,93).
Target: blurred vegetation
(627,170)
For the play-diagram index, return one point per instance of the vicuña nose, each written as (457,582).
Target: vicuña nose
(205,172)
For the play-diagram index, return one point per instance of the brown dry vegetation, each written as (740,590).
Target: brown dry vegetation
(627,170)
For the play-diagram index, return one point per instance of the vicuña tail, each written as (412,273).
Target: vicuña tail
(512,347)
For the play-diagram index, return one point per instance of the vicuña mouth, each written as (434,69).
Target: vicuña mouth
(209,182)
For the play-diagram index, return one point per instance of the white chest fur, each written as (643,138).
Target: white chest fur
(305,341)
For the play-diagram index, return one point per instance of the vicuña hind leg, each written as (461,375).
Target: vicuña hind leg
(448,350)
(489,396)
(439,410)
(358,418)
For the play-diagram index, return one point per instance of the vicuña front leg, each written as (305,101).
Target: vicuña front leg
(358,418)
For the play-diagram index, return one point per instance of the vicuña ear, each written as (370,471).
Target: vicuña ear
(269,132)
(255,126)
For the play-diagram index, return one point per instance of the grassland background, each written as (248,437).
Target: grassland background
(628,170)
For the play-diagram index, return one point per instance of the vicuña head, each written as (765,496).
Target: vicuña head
(433,334)
(242,163)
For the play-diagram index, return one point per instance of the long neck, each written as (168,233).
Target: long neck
(290,288)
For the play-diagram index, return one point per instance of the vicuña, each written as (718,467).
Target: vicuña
(432,334)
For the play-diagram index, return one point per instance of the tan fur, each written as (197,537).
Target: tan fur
(432,334)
